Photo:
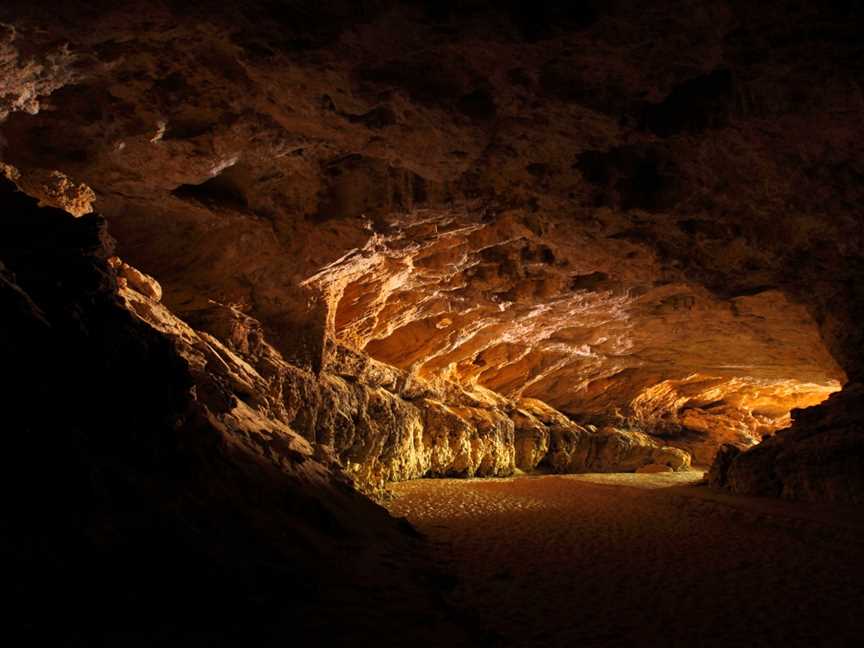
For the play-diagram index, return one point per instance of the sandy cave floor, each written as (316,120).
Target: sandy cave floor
(627,559)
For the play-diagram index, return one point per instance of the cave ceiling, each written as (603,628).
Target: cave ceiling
(642,215)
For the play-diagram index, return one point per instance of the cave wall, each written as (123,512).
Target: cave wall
(143,501)
(610,209)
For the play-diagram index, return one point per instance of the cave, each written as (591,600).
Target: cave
(412,323)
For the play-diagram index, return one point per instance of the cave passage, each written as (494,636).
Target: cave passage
(623,559)
(269,266)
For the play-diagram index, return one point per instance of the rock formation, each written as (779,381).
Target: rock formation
(359,242)
(549,214)
(143,498)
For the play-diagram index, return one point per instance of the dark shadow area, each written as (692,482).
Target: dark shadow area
(219,191)
(131,514)
(695,105)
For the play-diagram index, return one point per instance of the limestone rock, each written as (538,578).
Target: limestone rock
(675,458)
(531,440)
(53,189)
(818,458)
(573,448)
(27,79)
(616,450)
(492,441)
(135,279)
(467,442)
(377,435)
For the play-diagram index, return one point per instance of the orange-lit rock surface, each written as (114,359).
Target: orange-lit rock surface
(409,220)
(545,316)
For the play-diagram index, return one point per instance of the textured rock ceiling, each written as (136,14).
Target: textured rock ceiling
(614,209)
(552,315)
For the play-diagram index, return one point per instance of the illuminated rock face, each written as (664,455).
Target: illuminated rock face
(447,297)
(408,244)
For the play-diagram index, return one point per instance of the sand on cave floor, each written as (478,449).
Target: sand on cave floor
(627,560)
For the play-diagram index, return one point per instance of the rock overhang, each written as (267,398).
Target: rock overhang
(571,220)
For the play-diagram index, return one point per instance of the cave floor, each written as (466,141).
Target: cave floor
(654,559)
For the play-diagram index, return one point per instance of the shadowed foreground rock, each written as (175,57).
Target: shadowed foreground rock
(143,502)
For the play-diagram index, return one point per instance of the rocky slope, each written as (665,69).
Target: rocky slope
(403,221)
(144,501)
